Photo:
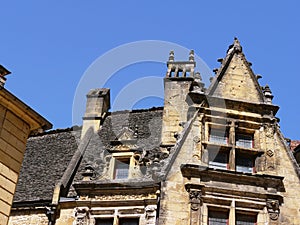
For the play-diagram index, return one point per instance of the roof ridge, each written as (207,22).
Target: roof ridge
(58,130)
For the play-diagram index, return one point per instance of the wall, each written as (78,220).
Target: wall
(13,137)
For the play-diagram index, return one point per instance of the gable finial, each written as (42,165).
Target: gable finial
(171,56)
(268,94)
(191,57)
(236,46)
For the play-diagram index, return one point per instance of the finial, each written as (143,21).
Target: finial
(171,56)
(237,45)
(191,57)
(268,94)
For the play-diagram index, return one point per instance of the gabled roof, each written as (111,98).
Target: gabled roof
(235,78)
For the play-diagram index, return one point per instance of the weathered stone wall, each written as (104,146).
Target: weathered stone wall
(175,108)
(28,217)
(290,209)
(174,206)
(66,217)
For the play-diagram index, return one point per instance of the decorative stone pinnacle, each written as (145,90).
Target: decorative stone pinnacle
(191,57)
(171,56)
(268,94)
(237,46)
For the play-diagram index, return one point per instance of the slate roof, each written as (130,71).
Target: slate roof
(48,156)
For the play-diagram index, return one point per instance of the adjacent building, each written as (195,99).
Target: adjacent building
(17,122)
(212,155)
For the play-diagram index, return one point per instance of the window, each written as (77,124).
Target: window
(105,221)
(244,140)
(218,136)
(245,219)
(218,159)
(129,221)
(244,163)
(121,168)
(217,218)
(122,221)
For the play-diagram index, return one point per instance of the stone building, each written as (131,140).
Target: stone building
(17,122)
(211,155)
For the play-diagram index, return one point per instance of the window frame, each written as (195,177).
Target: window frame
(121,156)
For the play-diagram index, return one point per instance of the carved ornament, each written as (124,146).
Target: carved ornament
(120,197)
(273,209)
(195,199)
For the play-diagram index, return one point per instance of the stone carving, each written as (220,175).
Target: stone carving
(273,209)
(196,139)
(154,155)
(150,214)
(82,216)
(88,173)
(195,199)
(269,131)
(120,197)
(270,153)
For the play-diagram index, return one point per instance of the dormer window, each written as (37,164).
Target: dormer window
(121,170)
(244,140)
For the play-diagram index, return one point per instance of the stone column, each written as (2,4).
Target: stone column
(232,142)
(232,213)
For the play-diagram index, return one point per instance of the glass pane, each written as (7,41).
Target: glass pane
(244,141)
(218,160)
(121,168)
(218,137)
(245,219)
(104,221)
(244,164)
(217,218)
(129,221)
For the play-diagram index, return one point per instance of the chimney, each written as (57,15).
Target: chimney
(177,84)
(97,105)
(3,72)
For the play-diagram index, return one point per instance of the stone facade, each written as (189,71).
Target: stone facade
(17,121)
(211,155)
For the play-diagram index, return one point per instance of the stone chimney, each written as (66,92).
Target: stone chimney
(177,84)
(97,105)
(3,73)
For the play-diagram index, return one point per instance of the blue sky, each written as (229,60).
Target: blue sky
(49,45)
